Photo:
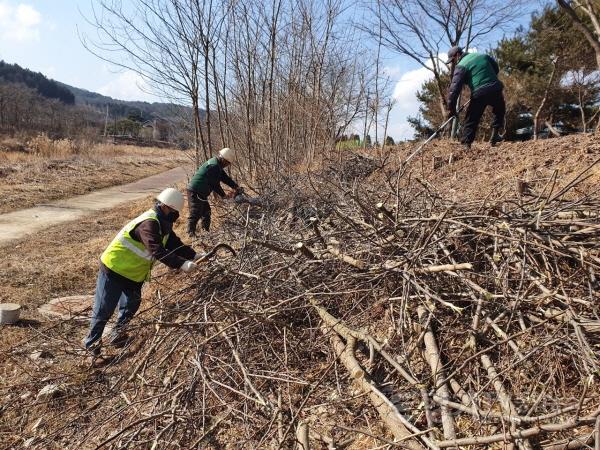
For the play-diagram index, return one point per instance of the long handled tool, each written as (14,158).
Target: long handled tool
(213,252)
(435,133)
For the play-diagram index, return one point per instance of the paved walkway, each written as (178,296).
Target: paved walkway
(15,225)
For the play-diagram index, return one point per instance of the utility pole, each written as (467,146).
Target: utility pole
(106,121)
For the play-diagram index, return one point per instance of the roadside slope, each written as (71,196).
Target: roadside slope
(495,171)
(221,356)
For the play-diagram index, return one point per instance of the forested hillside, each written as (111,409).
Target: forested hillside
(121,108)
(13,73)
(32,103)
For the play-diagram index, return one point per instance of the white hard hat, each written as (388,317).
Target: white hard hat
(172,198)
(228,154)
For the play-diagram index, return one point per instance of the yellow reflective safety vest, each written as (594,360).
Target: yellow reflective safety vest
(128,257)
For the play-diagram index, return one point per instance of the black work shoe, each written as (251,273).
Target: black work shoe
(495,138)
(119,340)
(93,358)
(95,351)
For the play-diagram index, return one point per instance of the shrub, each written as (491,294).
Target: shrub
(42,145)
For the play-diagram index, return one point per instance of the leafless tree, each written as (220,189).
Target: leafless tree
(279,81)
(23,109)
(297,81)
(547,91)
(388,109)
(168,43)
(583,83)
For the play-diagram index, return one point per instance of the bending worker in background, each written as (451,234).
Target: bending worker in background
(127,262)
(480,73)
(208,179)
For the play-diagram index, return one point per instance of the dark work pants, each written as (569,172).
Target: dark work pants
(111,292)
(475,111)
(199,209)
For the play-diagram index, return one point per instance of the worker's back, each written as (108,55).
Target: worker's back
(480,70)
(205,177)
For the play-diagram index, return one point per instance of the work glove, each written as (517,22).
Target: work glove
(189,266)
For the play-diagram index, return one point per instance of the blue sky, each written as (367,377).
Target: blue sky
(42,35)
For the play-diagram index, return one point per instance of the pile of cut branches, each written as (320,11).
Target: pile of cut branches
(366,315)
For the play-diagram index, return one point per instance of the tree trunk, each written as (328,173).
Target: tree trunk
(442,94)
(207,93)
(536,118)
(366,120)
(198,138)
(551,129)
(385,128)
(377,62)
(218,100)
(454,127)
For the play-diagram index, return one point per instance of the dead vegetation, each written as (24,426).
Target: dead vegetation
(490,173)
(361,312)
(40,169)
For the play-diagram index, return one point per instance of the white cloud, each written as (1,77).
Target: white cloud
(405,95)
(49,71)
(128,85)
(19,23)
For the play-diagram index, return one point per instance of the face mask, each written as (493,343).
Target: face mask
(172,216)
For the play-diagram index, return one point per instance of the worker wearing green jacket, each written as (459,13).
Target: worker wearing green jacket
(208,179)
(480,73)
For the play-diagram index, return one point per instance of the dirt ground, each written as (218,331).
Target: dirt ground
(61,261)
(29,179)
(493,172)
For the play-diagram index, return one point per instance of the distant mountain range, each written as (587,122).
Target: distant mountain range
(122,108)
(69,95)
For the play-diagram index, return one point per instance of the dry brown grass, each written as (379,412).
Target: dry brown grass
(42,147)
(492,171)
(39,170)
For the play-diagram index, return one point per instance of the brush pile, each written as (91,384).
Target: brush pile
(359,313)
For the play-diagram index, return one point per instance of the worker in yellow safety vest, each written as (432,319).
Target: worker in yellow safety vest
(127,262)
